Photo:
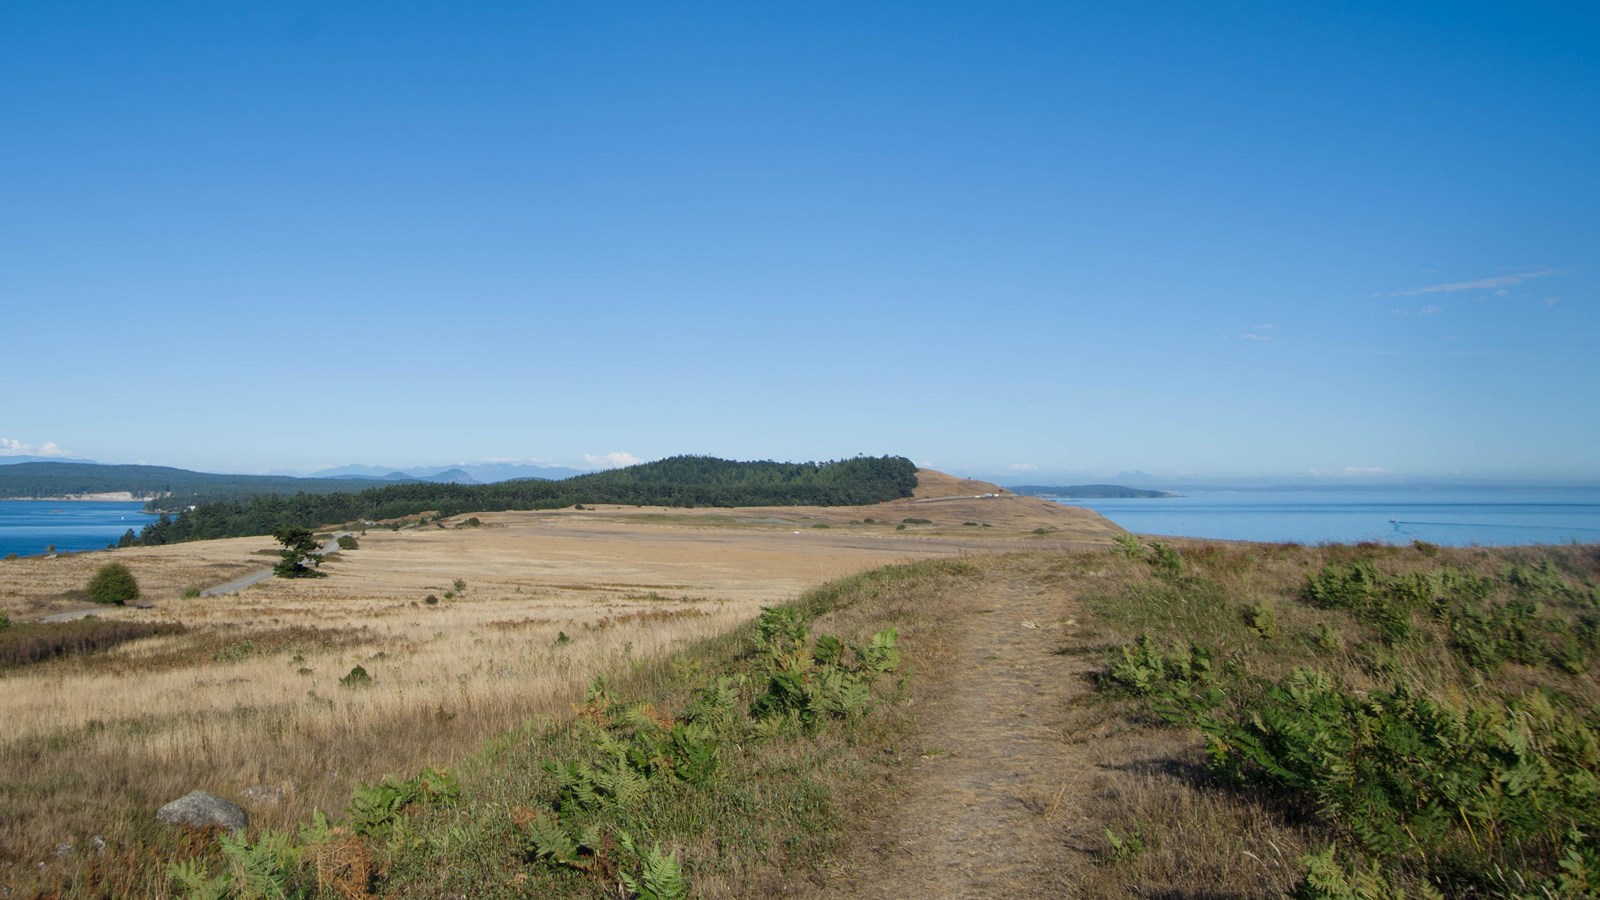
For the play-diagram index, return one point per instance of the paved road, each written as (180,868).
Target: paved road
(238,584)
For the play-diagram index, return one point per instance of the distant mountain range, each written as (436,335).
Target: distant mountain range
(1268,483)
(1086,491)
(464,473)
(22,479)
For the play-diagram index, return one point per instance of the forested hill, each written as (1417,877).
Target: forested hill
(677,481)
(24,481)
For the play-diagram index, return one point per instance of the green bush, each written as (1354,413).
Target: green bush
(374,808)
(1343,587)
(1358,587)
(1406,776)
(1262,617)
(1168,564)
(348,542)
(355,678)
(1177,681)
(1327,878)
(114,585)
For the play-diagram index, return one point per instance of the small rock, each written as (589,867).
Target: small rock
(202,810)
(63,850)
(98,843)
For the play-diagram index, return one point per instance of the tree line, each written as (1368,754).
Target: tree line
(680,481)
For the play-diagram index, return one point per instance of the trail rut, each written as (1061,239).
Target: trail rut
(993,800)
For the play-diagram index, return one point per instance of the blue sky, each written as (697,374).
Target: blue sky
(1350,239)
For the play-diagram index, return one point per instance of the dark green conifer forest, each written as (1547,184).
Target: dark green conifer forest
(679,481)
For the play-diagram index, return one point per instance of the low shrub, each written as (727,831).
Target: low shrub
(1427,772)
(113,584)
(33,642)
(1262,617)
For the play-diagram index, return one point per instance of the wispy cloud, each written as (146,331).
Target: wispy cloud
(615,460)
(1258,333)
(1482,284)
(1428,310)
(1350,471)
(9,447)
(1022,467)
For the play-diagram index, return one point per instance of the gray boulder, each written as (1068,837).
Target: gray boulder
(202,810)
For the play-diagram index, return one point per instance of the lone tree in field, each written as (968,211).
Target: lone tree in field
(113,584)
(301,553)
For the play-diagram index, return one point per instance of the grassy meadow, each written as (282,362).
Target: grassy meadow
(601,705)
(465,633)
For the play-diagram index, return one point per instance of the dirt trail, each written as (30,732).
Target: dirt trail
(994,799)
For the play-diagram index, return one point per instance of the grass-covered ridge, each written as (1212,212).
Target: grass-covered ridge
(725,770)
(676,481)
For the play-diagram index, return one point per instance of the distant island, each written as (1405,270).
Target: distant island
(1086,491)
(174,487)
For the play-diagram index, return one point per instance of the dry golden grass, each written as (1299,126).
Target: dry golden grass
(249,704)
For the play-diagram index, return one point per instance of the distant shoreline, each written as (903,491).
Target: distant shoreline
(104,496)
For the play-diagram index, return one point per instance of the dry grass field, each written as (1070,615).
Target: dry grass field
(252,700)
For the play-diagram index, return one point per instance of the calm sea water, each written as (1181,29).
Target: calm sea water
(1453,518)
(27,527)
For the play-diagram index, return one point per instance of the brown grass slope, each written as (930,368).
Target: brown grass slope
(247,701)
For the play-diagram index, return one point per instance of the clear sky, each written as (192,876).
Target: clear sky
(1209,238)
